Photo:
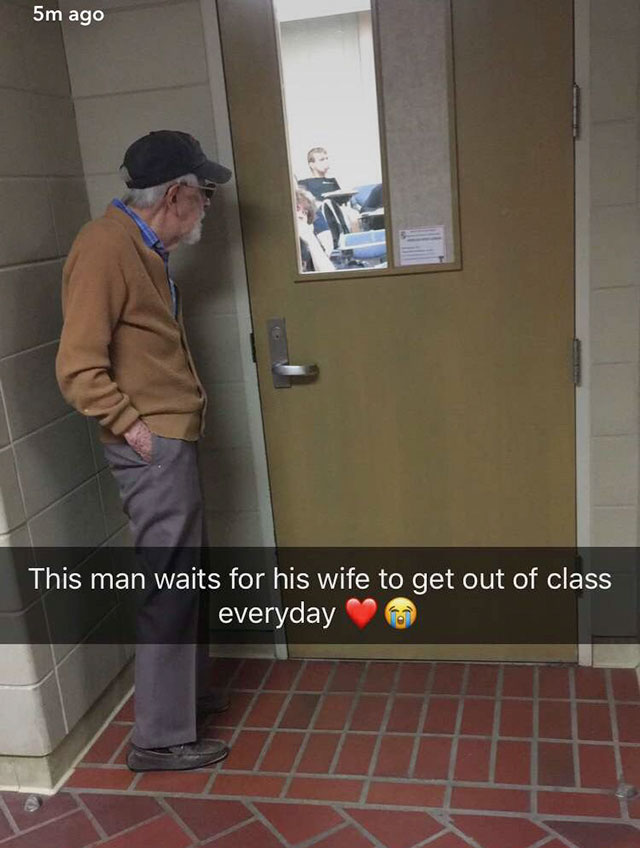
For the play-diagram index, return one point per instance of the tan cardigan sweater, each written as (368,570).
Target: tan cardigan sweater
(122,354)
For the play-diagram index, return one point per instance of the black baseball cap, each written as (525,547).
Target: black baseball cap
(163,155)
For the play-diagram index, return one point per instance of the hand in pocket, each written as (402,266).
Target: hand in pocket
(140,438)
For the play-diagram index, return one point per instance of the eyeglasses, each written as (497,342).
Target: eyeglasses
(208,190)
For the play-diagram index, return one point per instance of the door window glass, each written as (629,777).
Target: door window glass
(351,74)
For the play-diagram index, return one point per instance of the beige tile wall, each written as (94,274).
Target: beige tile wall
(615,266)
(162,82)
(64,138)
(50,490)
(615,295)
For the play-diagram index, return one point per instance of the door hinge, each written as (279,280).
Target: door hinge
(575,111)
(252,342)
(577,362)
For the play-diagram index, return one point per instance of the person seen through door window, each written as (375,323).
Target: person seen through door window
(312,253)
(319,183)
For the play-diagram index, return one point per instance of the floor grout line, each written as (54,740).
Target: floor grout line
(434,811)
(357,692)
(314,840)
(307,733)
(381,733)
(275,728)
(35,827)
(602,743)
(135,826)
(431,839)
(176,818)
(258,816)
(444,695)
(422,718)
(241,722)
(359,827)
(453,756)
(554,835)
(575,748)
(82,806)
(497,718)
(462,835)
(534,766)
(11,821)
(464,784)
(615,735)
(120,749)
(229,830)
(320,837)
(546,840)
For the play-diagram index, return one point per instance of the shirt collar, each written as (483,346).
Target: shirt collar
(149,236)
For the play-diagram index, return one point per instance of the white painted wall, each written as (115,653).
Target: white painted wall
(330,96)
(296,10)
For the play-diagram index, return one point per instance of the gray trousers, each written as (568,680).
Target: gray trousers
(163,502)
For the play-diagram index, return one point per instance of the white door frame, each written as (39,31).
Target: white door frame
(582,295)
(222,130)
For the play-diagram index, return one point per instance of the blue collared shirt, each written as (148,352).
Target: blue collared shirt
(151,239)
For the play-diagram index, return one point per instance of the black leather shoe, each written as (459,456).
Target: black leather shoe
(192,755)
(216,701)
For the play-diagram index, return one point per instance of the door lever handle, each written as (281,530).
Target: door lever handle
(286,370)
(281,370)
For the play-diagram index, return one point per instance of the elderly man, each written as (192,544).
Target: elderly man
(124,360)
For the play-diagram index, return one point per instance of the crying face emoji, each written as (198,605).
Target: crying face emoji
(400,613)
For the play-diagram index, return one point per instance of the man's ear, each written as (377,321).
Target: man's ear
(172,194)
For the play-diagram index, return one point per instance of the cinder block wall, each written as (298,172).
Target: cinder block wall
(152,74)
(615,293)
(71,103)
(615,269)
(52,490)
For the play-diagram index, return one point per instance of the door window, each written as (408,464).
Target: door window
(368,93)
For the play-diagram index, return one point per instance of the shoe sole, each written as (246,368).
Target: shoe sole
(139,761)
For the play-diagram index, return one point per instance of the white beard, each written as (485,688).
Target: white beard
(195,234)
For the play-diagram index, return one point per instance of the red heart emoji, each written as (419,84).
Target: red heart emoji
(361,612)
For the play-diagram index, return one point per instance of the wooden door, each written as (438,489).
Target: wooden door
(443,414)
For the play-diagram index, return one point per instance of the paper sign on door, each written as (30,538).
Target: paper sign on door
(422,246)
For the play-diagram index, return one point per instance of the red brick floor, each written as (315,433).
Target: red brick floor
(357,754)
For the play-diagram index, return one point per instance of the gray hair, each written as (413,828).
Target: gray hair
(145,198)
